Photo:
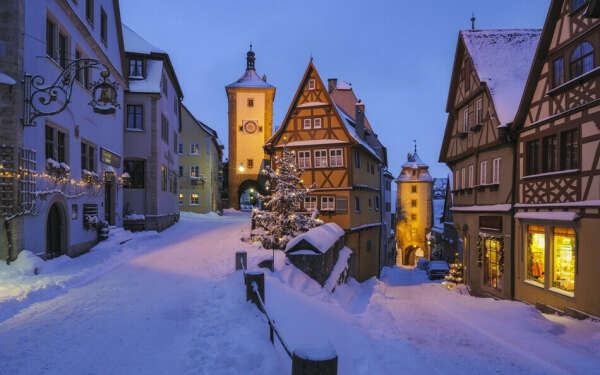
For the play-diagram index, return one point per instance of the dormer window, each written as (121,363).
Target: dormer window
(311,84)
(136,68)
(582,59)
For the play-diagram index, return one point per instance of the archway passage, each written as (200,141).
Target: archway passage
(248,195)
(55,231)
(409,256)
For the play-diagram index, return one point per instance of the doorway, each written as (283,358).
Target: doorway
(55,231)
(109,198)
(409,256)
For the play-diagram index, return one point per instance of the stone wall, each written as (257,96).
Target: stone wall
(317,266)
(157,223)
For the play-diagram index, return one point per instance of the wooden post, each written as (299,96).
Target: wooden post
(241,260)
(259,279)
(314,362)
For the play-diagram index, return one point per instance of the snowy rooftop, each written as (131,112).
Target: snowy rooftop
(136,44)
(414,161)
(151,83)
(349,123)
(321,237)
(502,59)
(251,79)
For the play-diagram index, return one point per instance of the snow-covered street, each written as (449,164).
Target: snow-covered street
(170,303)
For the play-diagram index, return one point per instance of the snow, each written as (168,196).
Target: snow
(546,174)
(340,266)
(348,122)
(5,79)
(311,104)
(482,208)
(363,226)
(313,142)
(318,352)
(321,237)
(151,84)
(250,79)
(548,215)
(343,85)
(134,217)
(438,210)
(589,203)
(502,59)
(134,43)
(170,302)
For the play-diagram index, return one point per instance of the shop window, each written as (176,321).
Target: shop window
(194,199)
(563,272)
(536,253)
(492,263)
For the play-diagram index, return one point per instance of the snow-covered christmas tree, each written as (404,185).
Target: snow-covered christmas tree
(280,219)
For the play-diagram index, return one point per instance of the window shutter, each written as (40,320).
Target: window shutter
(341,205)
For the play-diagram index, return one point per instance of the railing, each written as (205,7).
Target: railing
(255,291)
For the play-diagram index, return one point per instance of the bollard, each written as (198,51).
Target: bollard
(241,262)
(259,279)
(315,361)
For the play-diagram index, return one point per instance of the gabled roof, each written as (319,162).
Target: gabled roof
(502,59)
(134,43)
(344,97)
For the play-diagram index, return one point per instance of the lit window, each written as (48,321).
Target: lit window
(195,199)
(413,188)
(536,253)
(194,149)
(163,175)
(180,199)
(327,203)
(195,171)
(492,262)
(336,158)
(563,273)
(317,123)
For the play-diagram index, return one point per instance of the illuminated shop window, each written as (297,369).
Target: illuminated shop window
(536,253)
(492,271)
(563,272)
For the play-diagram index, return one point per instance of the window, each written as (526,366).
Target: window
(471,173)
(135,117)
(413,188)
(317,123)
(576,4)
(194,148)
(56,144)
(163,84)
(549,153)
(310,203)
(163,178)
(135,168)
(413,217)
(569,145)
(357,204)
(483,173)
(479,105)
(194,199)
(136,68)
(336,157)
(181,149)
(88,157)
(320,158)
(89,11)
(341,205)
(195,171)
(78,76)
(50,41)
(307,123)
(250,102)
(87,76)
(327,203)
(303,159)
(311,84)
(103,25)
(376,203)
(563,263)
(413,203)
(181,198)
(181,171)
(413,233)
(175,144)
(558,76)
(463,175)
(250,163)
(496,171)
(492,249)
(63,50)
(536,253)
(465,120)
(370,203)
(457,180)
(532,157)
(27,182)
(582,59)
(356,159)
(369,246)
(164,129)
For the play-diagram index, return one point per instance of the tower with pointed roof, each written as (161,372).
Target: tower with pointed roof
(250,101)
(414,211)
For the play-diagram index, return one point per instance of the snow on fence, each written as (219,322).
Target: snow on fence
(305,361)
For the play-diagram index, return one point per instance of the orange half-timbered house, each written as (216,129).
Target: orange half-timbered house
(490,70)
(557,210)
(340,153)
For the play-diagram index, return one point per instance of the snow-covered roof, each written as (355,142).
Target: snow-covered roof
(321,237)
(548,215)
(134,43)
(483,208)
(312,142)
(251,79)
(5,79)
(502,59)
(311,104)
(349,123)
(414,161)
(343,85)
(150,84)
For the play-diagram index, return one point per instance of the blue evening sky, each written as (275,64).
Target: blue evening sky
(398,55)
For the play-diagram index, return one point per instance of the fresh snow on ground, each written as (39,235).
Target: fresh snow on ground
(170,303)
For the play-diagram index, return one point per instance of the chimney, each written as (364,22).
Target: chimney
(359,114)
(331,84)
(264,77)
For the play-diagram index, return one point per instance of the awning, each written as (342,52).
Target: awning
(7,80)
(548,216)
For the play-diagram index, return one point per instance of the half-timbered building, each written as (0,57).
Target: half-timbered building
(326,128)
(490,70)
(558,164)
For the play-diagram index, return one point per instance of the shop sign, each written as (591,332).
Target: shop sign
(110,158)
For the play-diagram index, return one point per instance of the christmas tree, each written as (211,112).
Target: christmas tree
(456,273)
(280,219)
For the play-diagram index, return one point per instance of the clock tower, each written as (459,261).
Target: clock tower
(250,101)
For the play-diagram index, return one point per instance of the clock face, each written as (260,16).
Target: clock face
(250,127)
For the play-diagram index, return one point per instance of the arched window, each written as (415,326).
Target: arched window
(582,59)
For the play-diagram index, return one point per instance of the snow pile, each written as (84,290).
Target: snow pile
(341,267)
(27,263)
(321,237)
(502,59)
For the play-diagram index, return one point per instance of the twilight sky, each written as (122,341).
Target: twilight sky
(398,55)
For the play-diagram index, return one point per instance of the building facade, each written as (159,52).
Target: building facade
(64,168)
(489,73)
(151,135)
(388,238)
(200,155)
(414,210)
(336,151)
(557,165)
(250,105)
